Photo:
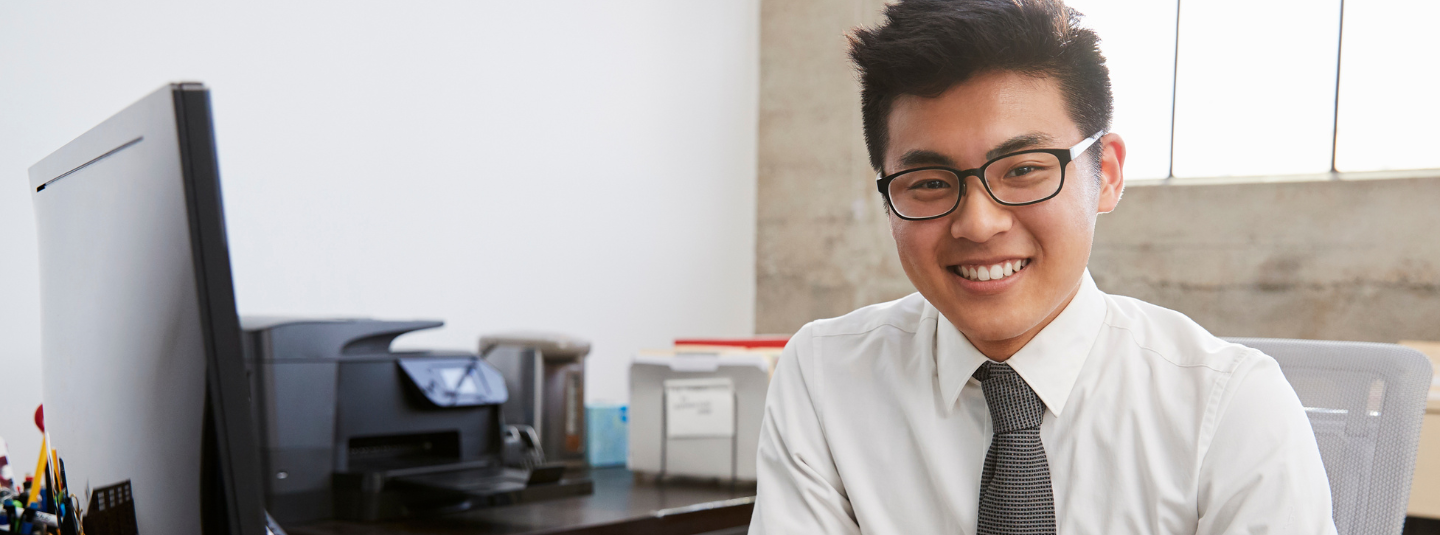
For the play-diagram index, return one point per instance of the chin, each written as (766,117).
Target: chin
(992,329)
(994,317)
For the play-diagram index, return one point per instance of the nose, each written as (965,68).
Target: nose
(979,217)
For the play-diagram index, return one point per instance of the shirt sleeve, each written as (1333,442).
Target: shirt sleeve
(798,487)
(1262,472)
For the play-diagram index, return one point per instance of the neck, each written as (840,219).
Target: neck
(1002,350)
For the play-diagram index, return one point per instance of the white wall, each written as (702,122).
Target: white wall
(581,166)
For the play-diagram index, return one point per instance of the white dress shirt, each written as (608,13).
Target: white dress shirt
(874,425)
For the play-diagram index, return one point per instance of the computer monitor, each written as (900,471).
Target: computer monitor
(140,340)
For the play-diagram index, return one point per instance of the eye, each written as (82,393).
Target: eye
(933,183)
(1022,170)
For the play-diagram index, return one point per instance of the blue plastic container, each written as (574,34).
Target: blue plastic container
(609,435)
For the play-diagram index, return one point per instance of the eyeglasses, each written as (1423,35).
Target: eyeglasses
(1015,179)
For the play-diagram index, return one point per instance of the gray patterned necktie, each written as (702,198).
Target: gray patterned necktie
(1015,493)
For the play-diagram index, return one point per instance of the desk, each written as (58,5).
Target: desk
(620,504)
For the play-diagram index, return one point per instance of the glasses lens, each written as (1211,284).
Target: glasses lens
(1027,177)
(924,193)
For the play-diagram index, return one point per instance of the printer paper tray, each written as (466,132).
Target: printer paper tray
(484,488)
(438,490)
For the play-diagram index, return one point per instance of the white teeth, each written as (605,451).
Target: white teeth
(995,272)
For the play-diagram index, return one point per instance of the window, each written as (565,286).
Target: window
(1255,89)
(1389,110)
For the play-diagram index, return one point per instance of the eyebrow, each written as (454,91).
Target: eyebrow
(920,157)
(924,157)
(1020,142)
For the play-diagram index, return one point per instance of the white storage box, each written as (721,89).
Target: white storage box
(697,415)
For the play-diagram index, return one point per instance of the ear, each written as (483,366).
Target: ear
(1112,172)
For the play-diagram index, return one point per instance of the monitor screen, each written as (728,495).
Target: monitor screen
(140,343)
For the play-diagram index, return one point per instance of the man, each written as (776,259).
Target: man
(1010,395)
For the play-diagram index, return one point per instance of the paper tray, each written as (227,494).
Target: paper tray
(381,496)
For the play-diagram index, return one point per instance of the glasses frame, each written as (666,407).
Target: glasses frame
(882,182)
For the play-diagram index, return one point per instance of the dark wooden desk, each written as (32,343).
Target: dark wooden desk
(620,504)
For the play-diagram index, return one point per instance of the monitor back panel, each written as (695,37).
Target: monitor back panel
(124,360)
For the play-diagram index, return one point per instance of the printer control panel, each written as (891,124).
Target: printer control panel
(456,382)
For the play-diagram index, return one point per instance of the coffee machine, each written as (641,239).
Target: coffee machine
(545,376)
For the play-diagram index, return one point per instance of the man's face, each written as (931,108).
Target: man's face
(1052,238)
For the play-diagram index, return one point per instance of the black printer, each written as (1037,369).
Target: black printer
(350,429)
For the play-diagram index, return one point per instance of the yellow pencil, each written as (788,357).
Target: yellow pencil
(39,470)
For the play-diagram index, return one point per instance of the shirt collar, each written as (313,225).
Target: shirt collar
(1049,363)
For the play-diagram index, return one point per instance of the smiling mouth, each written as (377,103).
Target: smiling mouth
(990,272)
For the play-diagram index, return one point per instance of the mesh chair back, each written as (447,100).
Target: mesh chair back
(1365,402)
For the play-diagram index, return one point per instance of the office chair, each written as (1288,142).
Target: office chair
(1365,402)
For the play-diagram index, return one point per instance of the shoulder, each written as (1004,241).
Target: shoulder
(1184,357)
(1227,386)
(882,331)
(1173,339)
(905,314)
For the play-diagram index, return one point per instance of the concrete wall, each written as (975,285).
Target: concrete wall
(1335,260)
(1344,260)
(823,245)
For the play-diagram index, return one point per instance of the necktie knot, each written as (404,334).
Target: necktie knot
(1013,404)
